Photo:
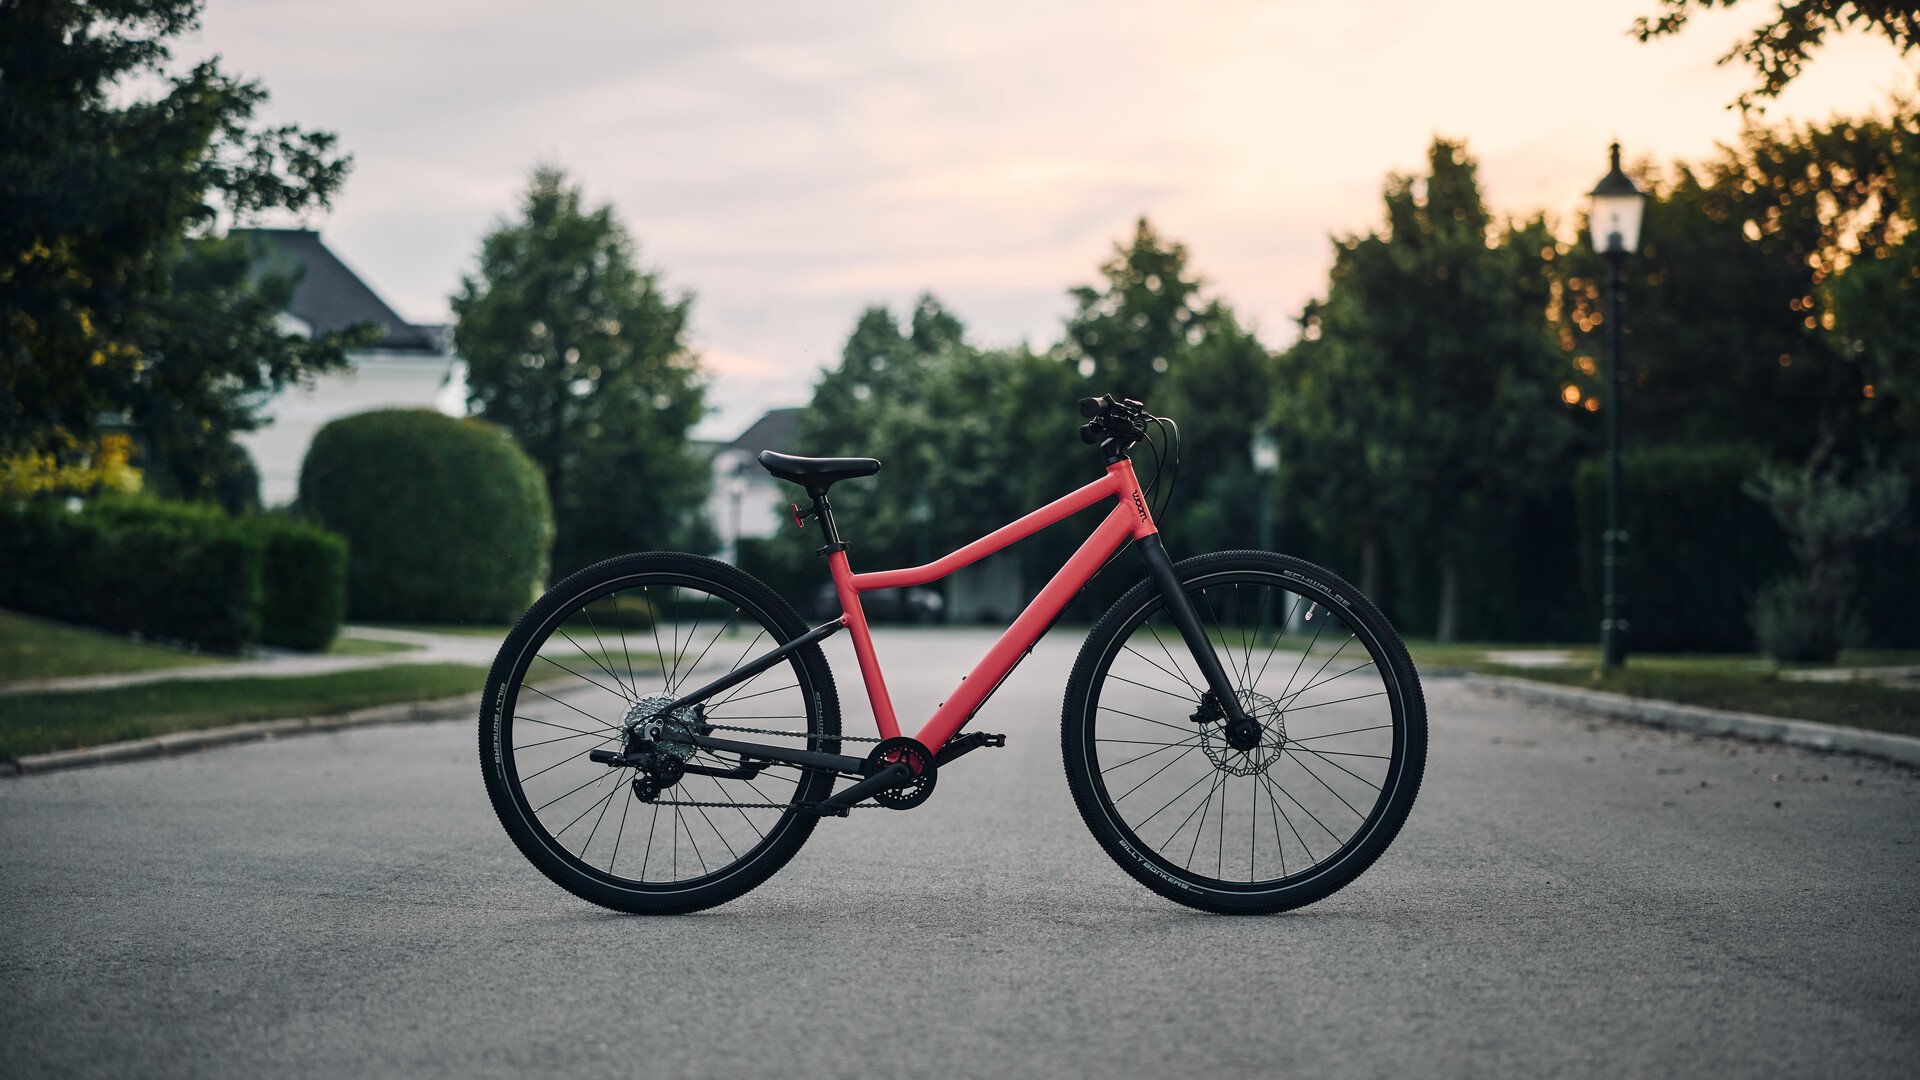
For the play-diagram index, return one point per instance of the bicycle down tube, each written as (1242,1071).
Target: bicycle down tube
(1128,520)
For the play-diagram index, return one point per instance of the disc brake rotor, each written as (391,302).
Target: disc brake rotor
(1273,736)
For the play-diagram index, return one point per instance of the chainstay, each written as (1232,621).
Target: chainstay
(789,734)
(766,805)
(757,805)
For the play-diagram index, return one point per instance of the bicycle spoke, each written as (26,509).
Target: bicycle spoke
(1178,673)
(562,631)
(619,694)
(1157,772)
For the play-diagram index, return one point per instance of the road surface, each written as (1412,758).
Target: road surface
(1572,897)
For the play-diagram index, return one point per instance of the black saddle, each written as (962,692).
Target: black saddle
(817,474)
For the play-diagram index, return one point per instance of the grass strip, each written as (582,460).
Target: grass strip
(1853,703)
(34,648)
(498,633)
(353,646)
(36,723)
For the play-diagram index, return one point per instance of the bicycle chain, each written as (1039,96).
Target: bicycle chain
(768,805)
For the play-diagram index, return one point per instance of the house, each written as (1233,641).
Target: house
(410,366)
(745,500)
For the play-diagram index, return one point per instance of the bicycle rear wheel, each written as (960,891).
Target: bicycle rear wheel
(1285,822)
(621,639)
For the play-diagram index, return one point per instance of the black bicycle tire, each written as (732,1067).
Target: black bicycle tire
(1340,869)
(509,668)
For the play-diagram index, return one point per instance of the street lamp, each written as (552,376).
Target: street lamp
(1266,463)
(1614,227)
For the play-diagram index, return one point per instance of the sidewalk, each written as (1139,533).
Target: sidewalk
(429,649)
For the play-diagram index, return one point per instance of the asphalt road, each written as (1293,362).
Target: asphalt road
(1572,897)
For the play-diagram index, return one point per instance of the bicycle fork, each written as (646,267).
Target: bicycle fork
(1243,732)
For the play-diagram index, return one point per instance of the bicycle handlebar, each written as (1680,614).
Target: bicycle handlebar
(1110,418)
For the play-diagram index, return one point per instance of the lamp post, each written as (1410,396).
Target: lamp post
(1266,463)
(1614,227)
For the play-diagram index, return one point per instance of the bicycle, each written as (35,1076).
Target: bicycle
(1318,777)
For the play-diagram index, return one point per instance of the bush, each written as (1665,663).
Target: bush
(303,584)
(165,570)
(1795,625)
(1698,547)
(446,520)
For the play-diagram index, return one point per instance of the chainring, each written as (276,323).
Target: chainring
(919,761)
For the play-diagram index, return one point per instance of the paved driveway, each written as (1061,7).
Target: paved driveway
(1572,897)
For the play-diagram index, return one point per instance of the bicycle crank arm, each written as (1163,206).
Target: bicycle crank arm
(885,779)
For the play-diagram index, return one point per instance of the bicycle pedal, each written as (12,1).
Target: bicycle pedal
(967,743)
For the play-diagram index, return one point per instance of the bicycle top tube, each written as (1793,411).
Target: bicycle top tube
(1128,520)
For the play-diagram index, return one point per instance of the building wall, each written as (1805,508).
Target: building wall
(740,483)
(378,380)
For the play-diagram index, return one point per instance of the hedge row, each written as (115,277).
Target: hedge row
(1698,548)
(175,571)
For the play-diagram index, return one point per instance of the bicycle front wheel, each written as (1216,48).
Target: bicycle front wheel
(1283,823)
(620,640)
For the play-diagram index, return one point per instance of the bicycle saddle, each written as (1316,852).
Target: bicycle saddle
(817,474)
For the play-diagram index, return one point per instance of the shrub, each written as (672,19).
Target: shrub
(1698,548)
(1794,624)
(165,570)
(446,520)
(303,584)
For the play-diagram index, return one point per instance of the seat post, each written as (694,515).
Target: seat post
(822,511)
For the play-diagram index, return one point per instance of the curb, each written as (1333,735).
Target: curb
(184,742)
(1903,749)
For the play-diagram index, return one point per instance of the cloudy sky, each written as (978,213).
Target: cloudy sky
(791,163)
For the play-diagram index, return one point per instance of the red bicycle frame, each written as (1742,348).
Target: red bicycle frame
(1128,520)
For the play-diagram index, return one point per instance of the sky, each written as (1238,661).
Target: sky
(790,164)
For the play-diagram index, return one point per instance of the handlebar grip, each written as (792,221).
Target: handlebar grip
(1089,407)
(1090,434)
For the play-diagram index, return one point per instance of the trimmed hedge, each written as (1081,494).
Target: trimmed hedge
(183,572)
(1699,549)
(447,520)
(173,571)
(303,597)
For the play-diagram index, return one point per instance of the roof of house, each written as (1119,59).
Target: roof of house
(774,431)
(330,296)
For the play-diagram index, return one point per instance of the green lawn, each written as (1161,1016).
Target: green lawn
(460,629)
(1851,704)
(34,648)
(61,720)
(1738,683)
(352,646)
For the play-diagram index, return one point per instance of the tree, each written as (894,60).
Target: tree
(879,403)
(1125,334)
(116,299)
(583,358)
(1422,391)
(1220,392)
(1774,298)
(1779,49)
